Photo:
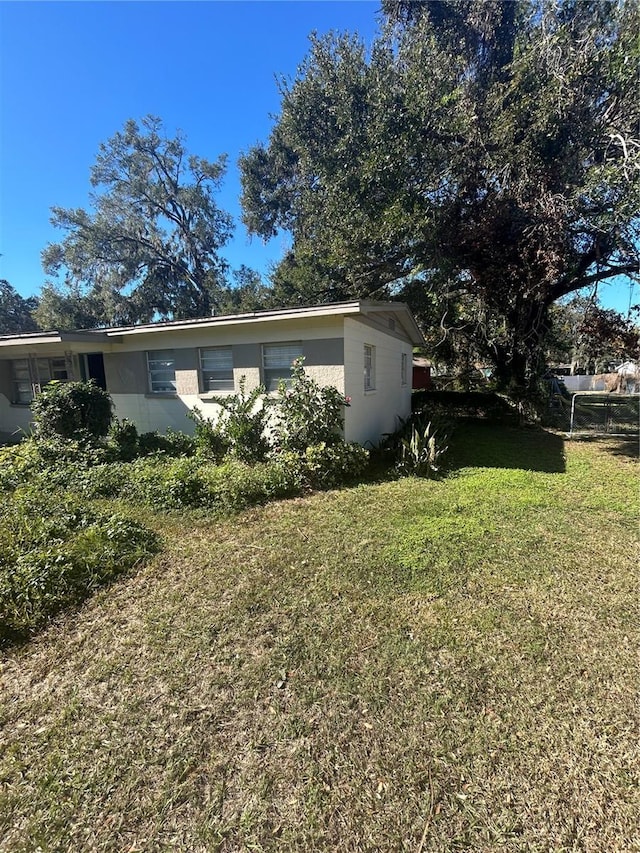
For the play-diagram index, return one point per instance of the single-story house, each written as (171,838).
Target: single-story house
(156,373)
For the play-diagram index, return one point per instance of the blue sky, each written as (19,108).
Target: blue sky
(72,73)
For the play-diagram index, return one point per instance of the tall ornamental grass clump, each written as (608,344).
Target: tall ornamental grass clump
(421,452)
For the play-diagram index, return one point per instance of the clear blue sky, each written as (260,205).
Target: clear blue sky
(72,73)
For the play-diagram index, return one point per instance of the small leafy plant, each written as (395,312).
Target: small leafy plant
(211,443)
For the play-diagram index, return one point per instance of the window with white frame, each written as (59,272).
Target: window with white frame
(277,360)
(369,367)
(404,360)
(161,367)
(216,369)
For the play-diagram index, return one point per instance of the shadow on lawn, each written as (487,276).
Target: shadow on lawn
(481,444)
(627,447)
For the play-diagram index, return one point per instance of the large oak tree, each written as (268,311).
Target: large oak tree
(482,157)
(149,247)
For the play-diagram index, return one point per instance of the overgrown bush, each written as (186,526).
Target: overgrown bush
(55,552)
(306,414)
(123,435)
(17,464)
(325,466)
(243,423)
(83,450)
(173,443)
(234,485)
(211,443)
(455,404)
(72,410)
(52,462)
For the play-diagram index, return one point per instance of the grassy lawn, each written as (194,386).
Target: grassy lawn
(410,665)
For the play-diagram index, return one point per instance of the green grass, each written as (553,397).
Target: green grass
(409,665)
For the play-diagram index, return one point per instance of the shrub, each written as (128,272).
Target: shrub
(475,404)
(124,439)
(51,463)
(17,464)
(325,466)
(243,423)
(83,450)
(72,410)
(236,485)
(54,553)
(174,443)
(307,414)
(209,439)
(180,483)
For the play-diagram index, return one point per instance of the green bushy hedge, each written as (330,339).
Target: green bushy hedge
(475,404)
(170,483)
(326,466)
(72,410)
(54,553)
(224,488)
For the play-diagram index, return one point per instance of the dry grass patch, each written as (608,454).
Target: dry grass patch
(404,666)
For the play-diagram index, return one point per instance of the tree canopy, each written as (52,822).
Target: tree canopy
(150,245)
(590,337)
(481,157)
(16,312)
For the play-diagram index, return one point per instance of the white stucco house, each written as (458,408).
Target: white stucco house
(158,372)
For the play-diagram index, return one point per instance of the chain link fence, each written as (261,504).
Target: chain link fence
(586,413)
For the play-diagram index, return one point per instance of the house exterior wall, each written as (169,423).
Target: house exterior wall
(332,346)
(127,380)
(125,363)
(373,413)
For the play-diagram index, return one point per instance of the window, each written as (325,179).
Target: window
(403,368)
(30,375)
(276,363)
(51,369)
(216,369)
(21,377)
(369,367)
(162,371)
